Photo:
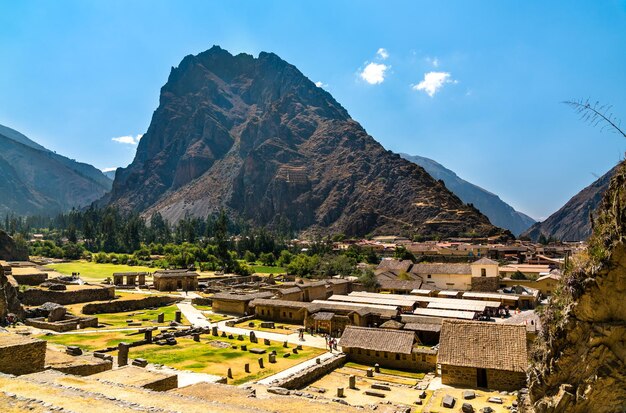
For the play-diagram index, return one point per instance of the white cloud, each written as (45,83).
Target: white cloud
(433,61)
(382,53)
(109,169)
(321,84)
(433,81)
(128,139)
(374,73)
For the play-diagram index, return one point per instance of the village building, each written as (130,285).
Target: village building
(427,329)
(529,271)
(546,284)
(172,280)
(294,312)
(397,349)
(485,355)
(132,278)
(236,304)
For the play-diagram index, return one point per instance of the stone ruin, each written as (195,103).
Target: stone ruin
(9,302)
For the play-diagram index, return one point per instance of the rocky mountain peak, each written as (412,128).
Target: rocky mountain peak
(257,137)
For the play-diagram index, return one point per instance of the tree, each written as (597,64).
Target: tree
(267,258)
(368,279)
(597,114)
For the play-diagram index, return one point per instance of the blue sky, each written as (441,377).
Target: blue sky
(76,74)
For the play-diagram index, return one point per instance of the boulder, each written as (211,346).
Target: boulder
(467,408)
(448,401)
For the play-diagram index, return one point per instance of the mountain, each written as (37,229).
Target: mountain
(256,137)
(499,212)
(571,222)
(35,180)
(110,174)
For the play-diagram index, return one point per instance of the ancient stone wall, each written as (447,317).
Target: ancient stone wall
(458,376)
(485,284)
(21,355)
(84,369)
(38,296)
(34,278)
(68,324)
(164,384)
(202,301)
(120,306)
(309,375)
(505,380)
(416,362)
(229,307)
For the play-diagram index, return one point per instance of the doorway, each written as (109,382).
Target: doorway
(481,378)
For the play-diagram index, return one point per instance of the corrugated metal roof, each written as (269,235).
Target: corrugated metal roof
(465,315)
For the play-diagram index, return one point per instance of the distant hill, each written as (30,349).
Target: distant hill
(110,174)
(35,180)
(256,137)
(571,222)
(499,212)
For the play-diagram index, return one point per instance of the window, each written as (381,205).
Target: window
(290,314)
(358,351)
(262,312)
(377,354)
(428,276)
(424,358)
(397,356)
(413,356)
(367,352)
(483,272)
(386,354)
(284,314)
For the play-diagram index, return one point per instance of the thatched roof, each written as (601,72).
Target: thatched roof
(406,285)
(395,265)
(483,345)
(378,339)
(392,325)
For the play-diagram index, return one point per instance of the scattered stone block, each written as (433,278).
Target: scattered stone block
(422,395)
(377,368)
(340,392)
(318,361)
(214,331)
(246,367)
(122,354)
(352,381)
(161,318)
(196,338)
(240,337)
(258,351)
(287,355)
(370,373)
(381,387)
(253,338)
(279,390)
(496,400)
(266,342)
(178,317)
(223,334)
(73,350)
(374,393)
(140,362)
(467,408)
(294,351)
(448,401)
(469,395)
(244,347)
(261,362)
(267,324)
(419,402)
(231,337)
(299,347)
(234,347)
(229,374)
(272,358)
(285,344)
(251,324)
(487,409)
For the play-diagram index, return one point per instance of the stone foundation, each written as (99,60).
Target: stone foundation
(121,306)
(485,284)
(38,296)
(496,379)
(311,374)
(69,323)
(21,355)
(31,279)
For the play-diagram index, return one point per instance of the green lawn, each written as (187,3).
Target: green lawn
(263,269)
(145,317)
(204,358)
(96,272)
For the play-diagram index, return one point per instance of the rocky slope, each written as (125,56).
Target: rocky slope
(580,357)
(34,180)
(8,299)
(572,222)
(9,250)
(256,137)
(499,212)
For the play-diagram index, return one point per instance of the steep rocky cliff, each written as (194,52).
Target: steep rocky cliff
(34,180)
(9,250)
(256,137)
(579,363)
(499,212)
(571,222)
(8,298)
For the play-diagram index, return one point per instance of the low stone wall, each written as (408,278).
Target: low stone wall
(485,284)
(202,301)
(38,296)
(232,323)
(120,306)
(459,376)
(68,324)
(35,278)
(165,384)
(505,380)
(87,369)
(311,374)
(21,355)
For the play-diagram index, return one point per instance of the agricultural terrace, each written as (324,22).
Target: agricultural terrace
(94,272)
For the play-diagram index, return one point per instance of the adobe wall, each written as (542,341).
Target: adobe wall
(23,357)
(485,284)
(120,306)
(37,296)
(304,377)
(414,362)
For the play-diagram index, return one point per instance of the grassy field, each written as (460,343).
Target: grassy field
(91,342)
(92,271)
(263,269)
(145,317)
(202,357)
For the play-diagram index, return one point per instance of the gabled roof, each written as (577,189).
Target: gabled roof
(280,303)
(483,345)
(378,339)
(241,297)
(485,261)
(394,265)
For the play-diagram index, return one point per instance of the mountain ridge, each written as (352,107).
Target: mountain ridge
(499,212)
(256,137)
(39,181)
